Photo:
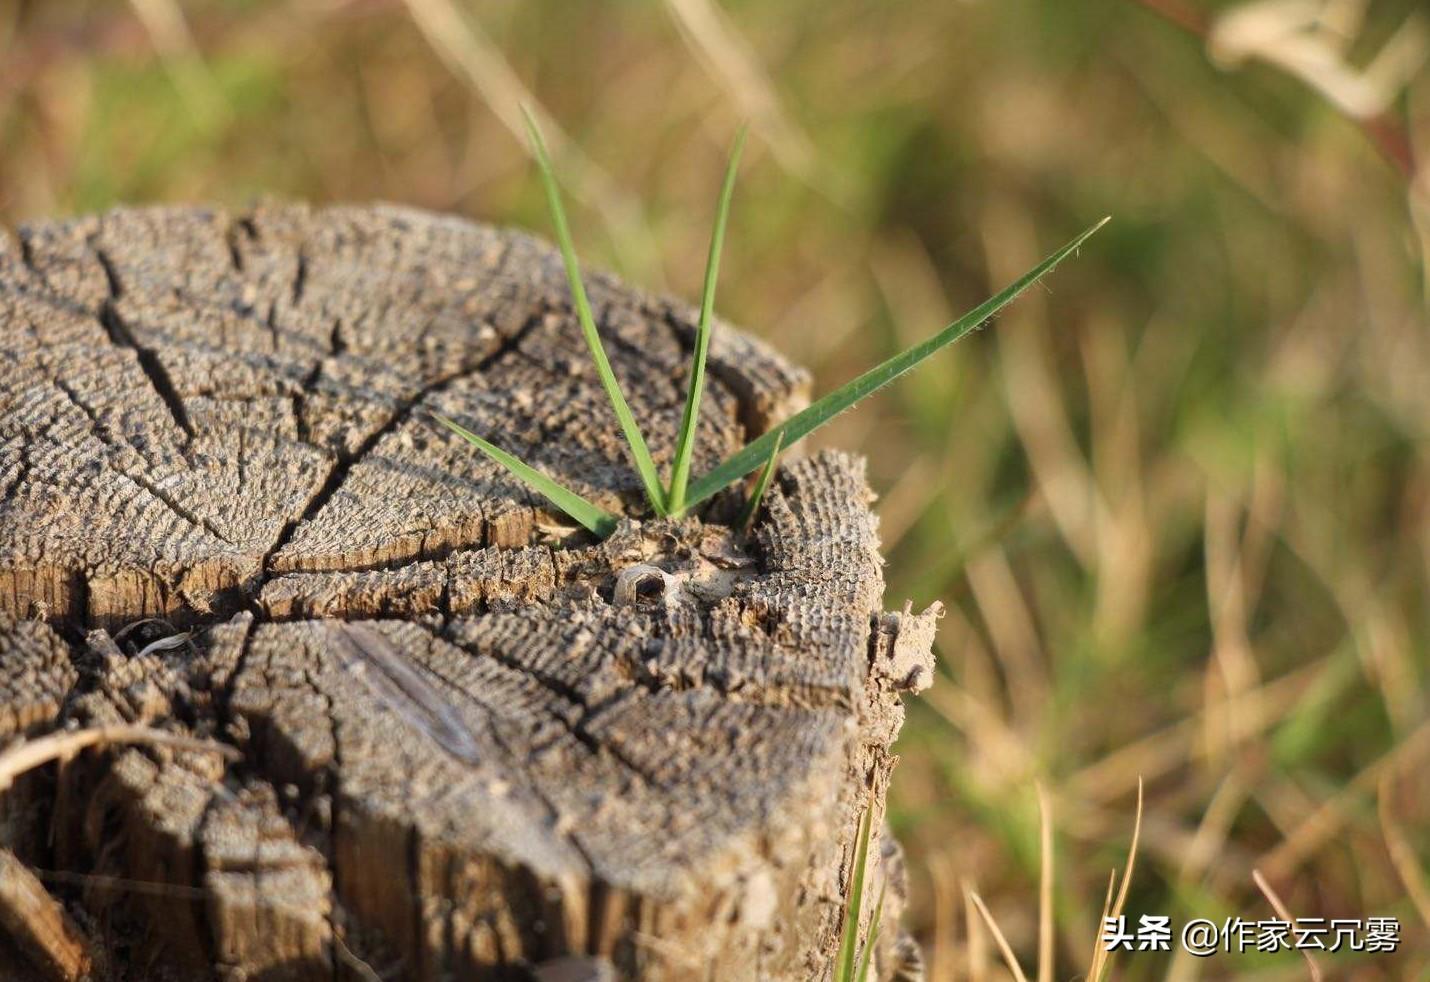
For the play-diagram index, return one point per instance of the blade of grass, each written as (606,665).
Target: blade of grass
(1045,886)
(1003,946)
(977,943)
(743,461)
(862,975)
(1102,958)
(595,518)
(645,466)
(757,495)
(844,967)
(1402,854)
(680,473)
(1279,905)
(1099,945)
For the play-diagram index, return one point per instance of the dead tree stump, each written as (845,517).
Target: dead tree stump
(472,742)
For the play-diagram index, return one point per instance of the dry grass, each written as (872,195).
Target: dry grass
(1179,511)
(1278,905)
(64,744)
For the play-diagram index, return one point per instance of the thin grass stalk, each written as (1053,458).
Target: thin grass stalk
(1045,886)
(999,939)
(1102,958)
(593,517)
(872,941)
(844,966)
(690,418)
(752,507)
(640,453)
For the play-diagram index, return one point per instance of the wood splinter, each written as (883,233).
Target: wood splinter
(63,745)
(39,926)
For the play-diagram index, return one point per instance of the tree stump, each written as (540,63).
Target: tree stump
(467,740)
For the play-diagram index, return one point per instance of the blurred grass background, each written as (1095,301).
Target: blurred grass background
(1177,503)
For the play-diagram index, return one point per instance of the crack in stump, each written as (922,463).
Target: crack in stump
(343,463)
(150,364)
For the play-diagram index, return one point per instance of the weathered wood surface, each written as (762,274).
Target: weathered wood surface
(475,743)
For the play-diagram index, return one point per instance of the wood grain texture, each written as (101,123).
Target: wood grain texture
(475,742)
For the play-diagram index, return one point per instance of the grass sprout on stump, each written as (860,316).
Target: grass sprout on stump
(681,495)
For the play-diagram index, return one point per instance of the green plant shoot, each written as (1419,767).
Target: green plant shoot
(753,505)
(681,496)
(872,941)
(849,939)
(684,449)
(595,518)
(645,466)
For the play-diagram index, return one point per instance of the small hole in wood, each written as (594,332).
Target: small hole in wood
(641,584)
(650,587)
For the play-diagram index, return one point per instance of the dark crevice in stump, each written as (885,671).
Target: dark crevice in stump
(474,743)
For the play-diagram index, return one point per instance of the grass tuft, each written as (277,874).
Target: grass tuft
(764,449)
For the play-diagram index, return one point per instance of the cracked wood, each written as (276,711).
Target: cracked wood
(464,752)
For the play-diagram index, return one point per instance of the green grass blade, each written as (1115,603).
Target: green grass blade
(753,505)
(872,941)
(595,518)
(645,466)
(797,426)
(844,966)
(680,472)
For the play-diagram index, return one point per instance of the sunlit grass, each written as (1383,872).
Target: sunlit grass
(850,964)
(761,486)
(640,453)
(593,517)
(690,417)
(764,449)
